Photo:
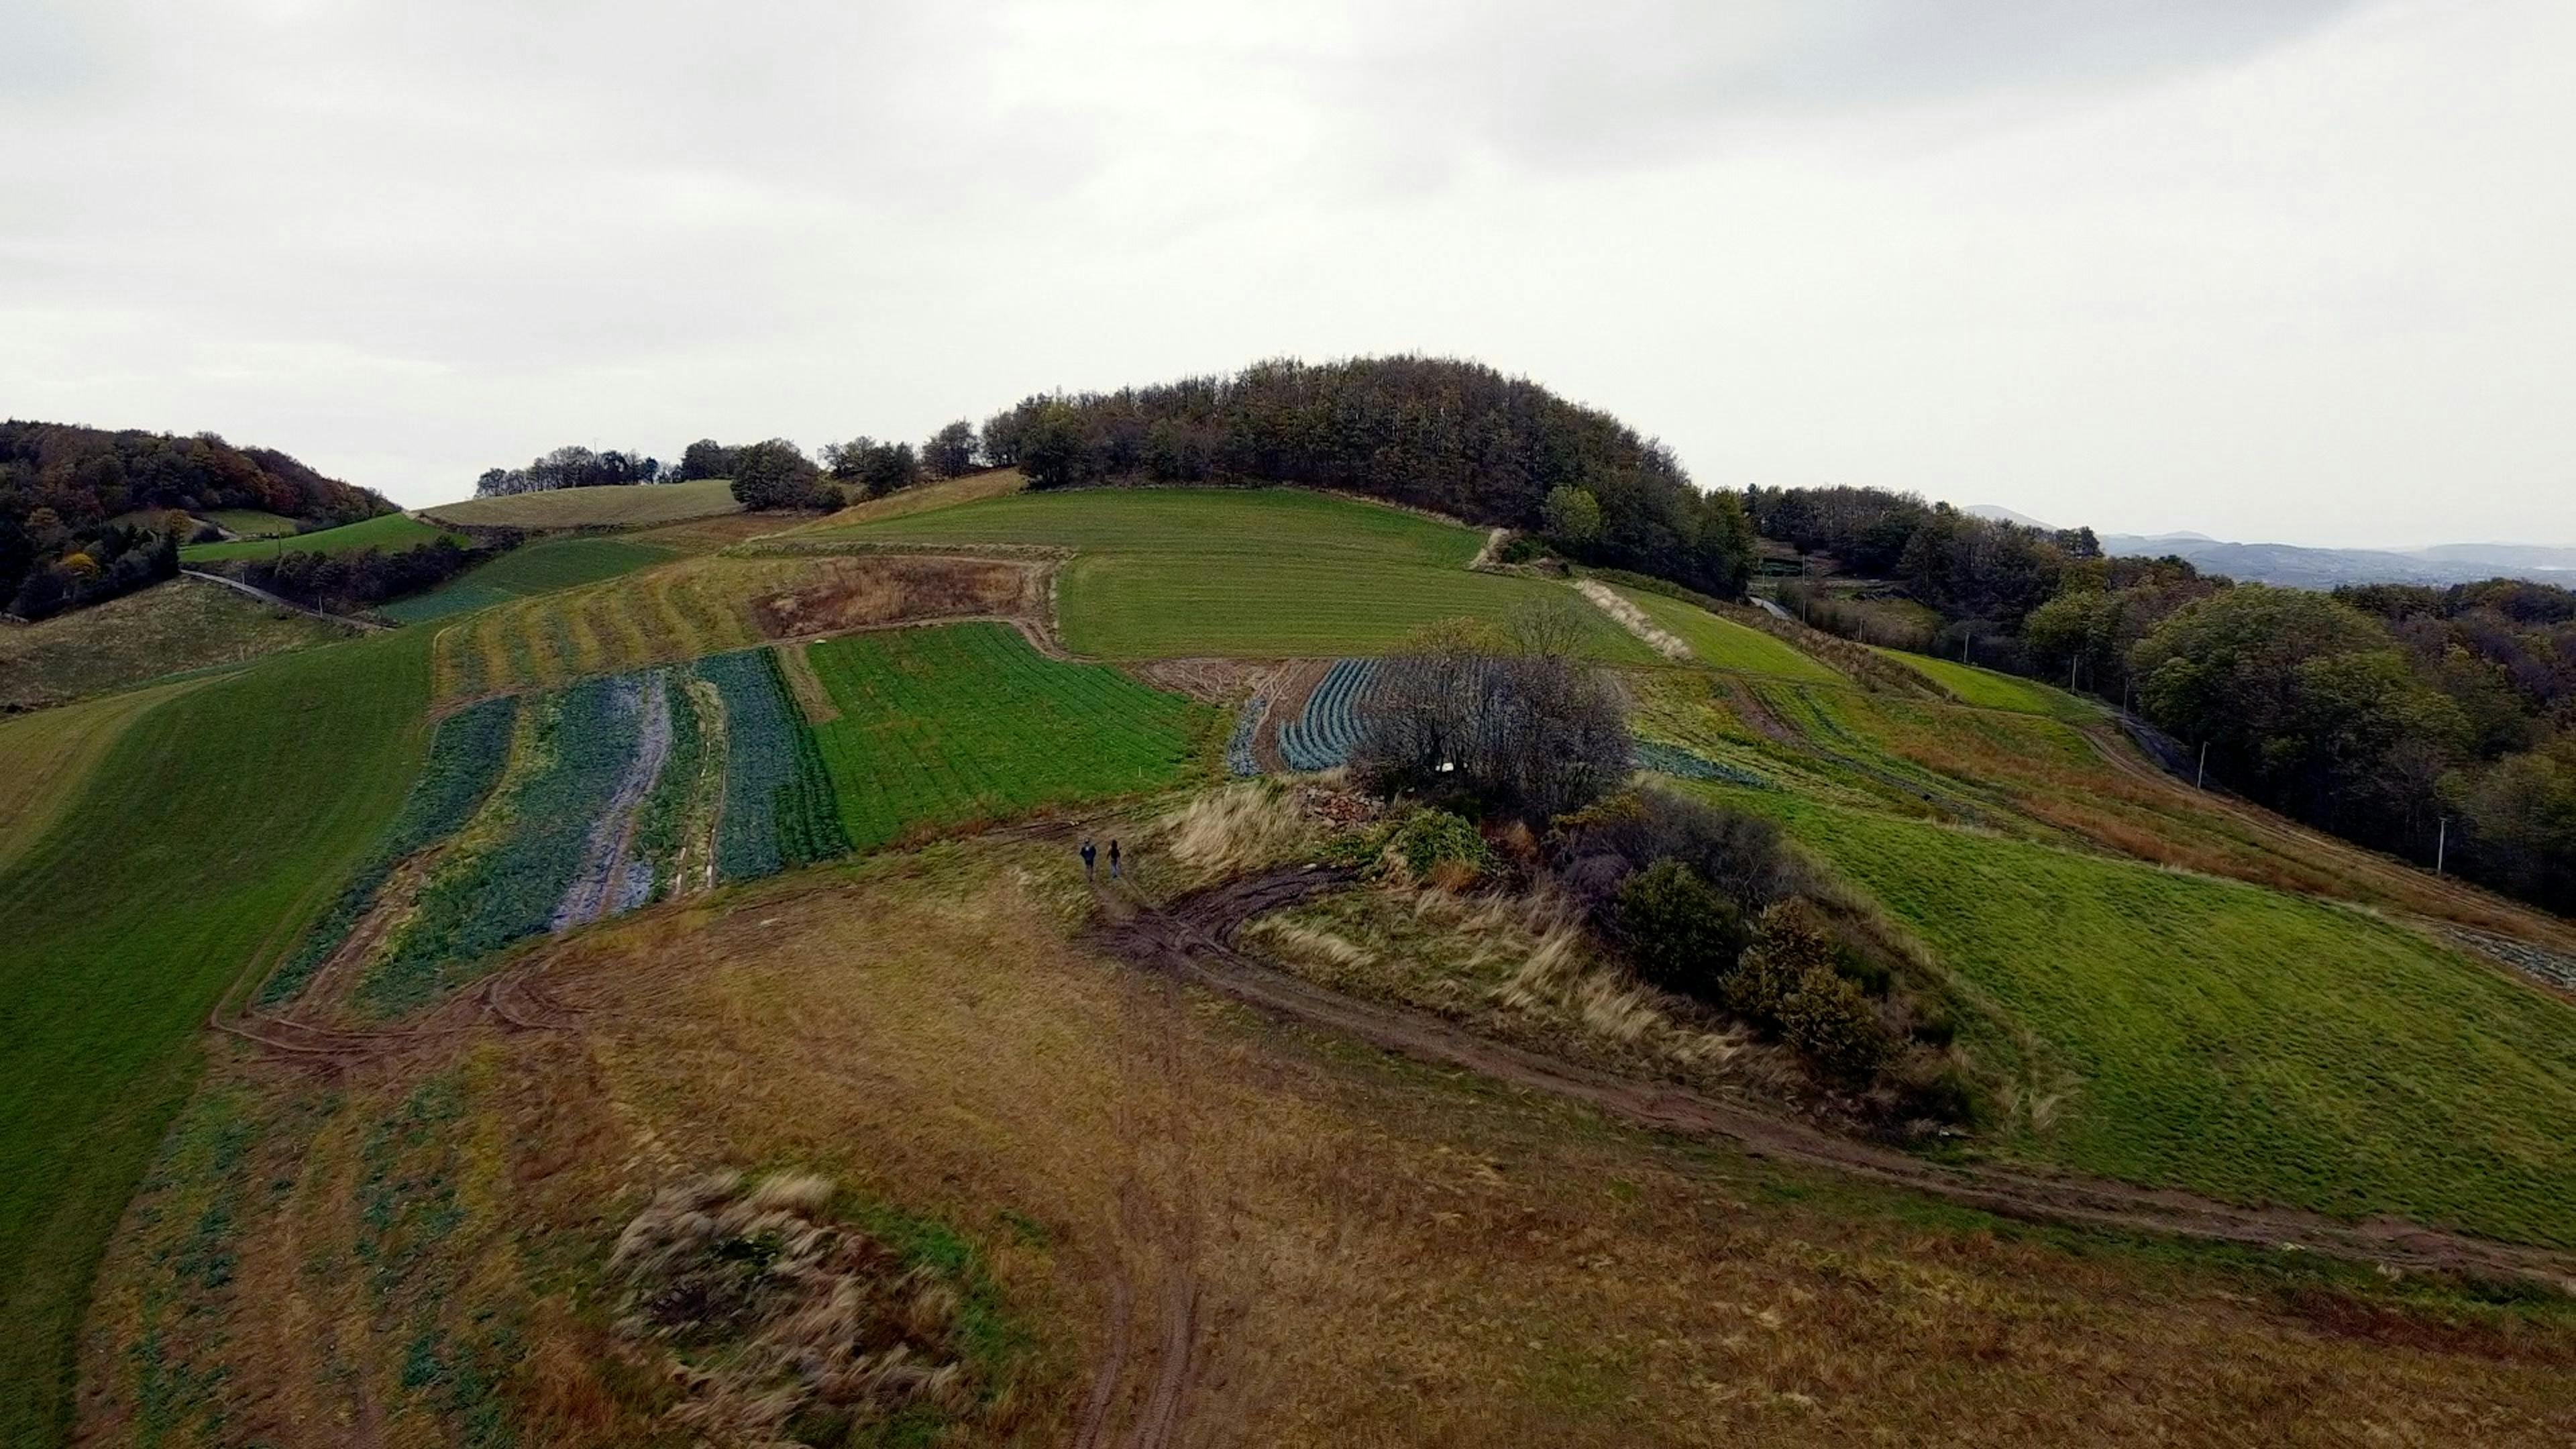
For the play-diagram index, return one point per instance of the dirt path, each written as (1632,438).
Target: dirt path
(1631,618)
(1192,941)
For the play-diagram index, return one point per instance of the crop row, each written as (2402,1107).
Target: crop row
(510,885)
(779,809)
(1240,760)
(1322,734)
(465,759)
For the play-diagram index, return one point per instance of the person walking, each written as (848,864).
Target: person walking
(1089,853)
(1113,860)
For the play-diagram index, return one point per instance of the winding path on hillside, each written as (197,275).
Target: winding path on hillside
(265,597)
(1192,940)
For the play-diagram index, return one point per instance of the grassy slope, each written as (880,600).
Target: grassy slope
(252,523)
(967,722)
(631,506)
(537,568)
(1725,644)
(179,625)
(1987,689)
(216,824)
(392,532)
(51,754)
(1260,573)
(2240,1041)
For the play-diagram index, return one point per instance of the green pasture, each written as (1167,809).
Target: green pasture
(948,725)
(536,568)
(633,505)
(1987,689)
(1265,573)
(2234,1040)
(1724,644)
(252,523)
(212,830)
(393,532)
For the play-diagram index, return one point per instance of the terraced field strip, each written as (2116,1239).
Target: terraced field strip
(1986,689)
(946,725)
(2231,1040)
(1724,644)
(392,532)
(537,568)
(1166,573)
(779,811)
(51,755)
(635,505)
(1327,725)
(217,824)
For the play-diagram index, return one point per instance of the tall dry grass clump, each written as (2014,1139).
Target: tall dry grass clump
(1560,976)
(779,1316)
(1240,827)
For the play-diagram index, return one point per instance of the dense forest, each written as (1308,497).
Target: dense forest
(1452,437)
(84,512)
(2378,712)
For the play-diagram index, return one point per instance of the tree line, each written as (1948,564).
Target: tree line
(361,578)
(570,467)
(87,514)
(2378,712)
(1452,437)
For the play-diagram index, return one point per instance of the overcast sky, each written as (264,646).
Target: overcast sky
(2267,269)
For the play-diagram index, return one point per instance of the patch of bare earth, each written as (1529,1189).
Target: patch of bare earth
(840,594)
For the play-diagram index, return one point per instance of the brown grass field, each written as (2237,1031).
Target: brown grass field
(1174,1223)
(172,627)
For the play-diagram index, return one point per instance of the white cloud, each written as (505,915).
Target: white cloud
(2280,270)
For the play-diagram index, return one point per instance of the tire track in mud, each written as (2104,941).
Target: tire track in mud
(1192,941)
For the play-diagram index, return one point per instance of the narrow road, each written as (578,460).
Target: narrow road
(1192,940)
(265,597)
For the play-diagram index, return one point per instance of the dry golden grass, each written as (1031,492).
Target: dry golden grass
(1325,1246)
(947,494)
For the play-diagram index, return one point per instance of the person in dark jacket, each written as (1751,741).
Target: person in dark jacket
(1090,853)
(1113,860)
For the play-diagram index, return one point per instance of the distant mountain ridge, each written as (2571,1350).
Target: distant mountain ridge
(2299,566)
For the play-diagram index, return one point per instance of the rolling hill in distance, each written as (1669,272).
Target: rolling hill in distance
(2300,566)
(1309,907)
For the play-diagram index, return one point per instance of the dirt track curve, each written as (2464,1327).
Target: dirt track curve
(1192,940)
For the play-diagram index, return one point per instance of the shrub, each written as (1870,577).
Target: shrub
(1742,856)
(1436,846)
(1680,933)
(1936,1089)
(1791,943)
(1831,1023)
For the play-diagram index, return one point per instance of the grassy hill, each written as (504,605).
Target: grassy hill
(182,625)
(393,531)
(637,505)
(1725,644)
(252,523)
(536,568)
(217,822)
(1987,689)
(1263,573)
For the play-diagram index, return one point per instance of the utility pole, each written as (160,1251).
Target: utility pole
(2201,780)
(2442,846)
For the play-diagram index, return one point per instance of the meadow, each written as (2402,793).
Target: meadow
(392,532)
(1265,573)
(214,827)
(180,625)
(1723,643)
(2233,1040)
(1986,689)
(941,726)
(636,505)
(535,568)
(51,754)
(252,523)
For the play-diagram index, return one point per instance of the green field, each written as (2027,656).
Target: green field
(51,754)
(1266,573)
(536,568)
(947,725)
(181,625)
(2235,1040)
(635,505)
(213,827)
(1987,689)
(251,523)
(1725,644)
(392,532)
